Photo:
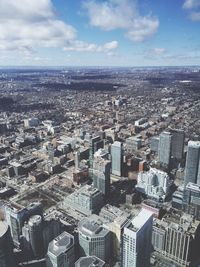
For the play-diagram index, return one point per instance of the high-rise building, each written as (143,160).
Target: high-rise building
(173,237)
(192,163)
(33,234)
(86,200)
(90,261)
(101,175)
(116,155)
(6,246)
(154,146)
(94,239)
(61,251)
(177,147)
(133,143)
(137,240)
(191,200)
(164,150)
(16,216)
(95,144)
(115,220)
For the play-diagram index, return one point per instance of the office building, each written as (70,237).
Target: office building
(90,261)
(86,200)
(192,163)
(154,183)
(16,216)
(6,246)
(61,251)
(101,175)
(115,220)
(136,246)
(164,150)
(95,144)
(154,145)
(94,239)
(32,233)
(133,143)
(116,155)
(173,236)
(191,200)
(177,146)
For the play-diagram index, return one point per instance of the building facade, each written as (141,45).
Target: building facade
(61,251)
(137,240)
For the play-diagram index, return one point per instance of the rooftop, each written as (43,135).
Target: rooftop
(139,220)
(61,244)
(90,261)
(91,227)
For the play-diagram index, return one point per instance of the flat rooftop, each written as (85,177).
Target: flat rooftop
(61,244)
(139,220)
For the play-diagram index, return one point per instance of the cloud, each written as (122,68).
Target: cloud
(26,24)
(79,46)
(193,7)
(190,4)
(195,16)
(143,28)
(121,14)
(155,53)
(29,24)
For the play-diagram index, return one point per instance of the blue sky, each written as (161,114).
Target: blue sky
(99,32)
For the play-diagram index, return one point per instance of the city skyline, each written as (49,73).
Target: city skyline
(99,33)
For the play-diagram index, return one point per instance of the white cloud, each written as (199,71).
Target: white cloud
(195,16)
(190,4)
(155,52)
(26,24)
(121,14)
(80,46)
(143,28)
(29,24)
(193,7)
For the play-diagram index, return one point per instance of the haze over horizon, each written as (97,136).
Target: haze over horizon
(99,33)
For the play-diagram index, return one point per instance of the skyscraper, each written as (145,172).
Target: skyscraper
(101,175)
(116,154)
(164,150)
(137,241)
(61,251)
(177,147)
(6,250)
(16,216)
(94,239)
(192,163)
(33,235)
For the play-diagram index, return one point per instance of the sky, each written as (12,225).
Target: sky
(99,32)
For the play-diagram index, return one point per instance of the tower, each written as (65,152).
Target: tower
(192,174)
(101,175)
(116,154)
(137,240)
(164,149)
(94,239)
(35,232)
(61,251)
(177,147)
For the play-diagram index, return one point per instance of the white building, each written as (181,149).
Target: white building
(61,251)
(154,183)
(136,244)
